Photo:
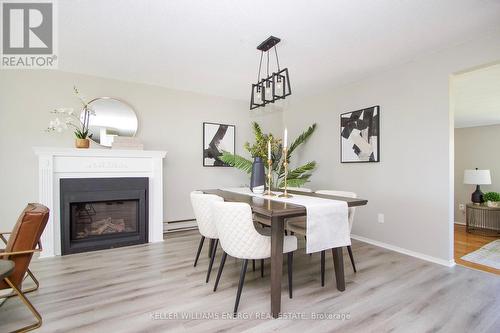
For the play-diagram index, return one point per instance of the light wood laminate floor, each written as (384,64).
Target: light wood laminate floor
(143,288)
(469,242)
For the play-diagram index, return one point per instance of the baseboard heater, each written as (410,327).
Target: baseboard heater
(181,225)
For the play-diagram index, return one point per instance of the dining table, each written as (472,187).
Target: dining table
(276,212)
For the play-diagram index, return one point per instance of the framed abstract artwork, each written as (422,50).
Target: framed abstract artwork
(360,135)
(216,139)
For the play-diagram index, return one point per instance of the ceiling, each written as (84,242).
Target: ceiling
(210,46)
(476,96)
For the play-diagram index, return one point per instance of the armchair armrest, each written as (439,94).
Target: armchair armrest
(19,252)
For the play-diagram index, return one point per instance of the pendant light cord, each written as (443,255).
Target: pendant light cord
(277,60)
(260,65)
(267,52)
(267,65)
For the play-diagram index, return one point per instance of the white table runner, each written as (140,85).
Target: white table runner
(327,219)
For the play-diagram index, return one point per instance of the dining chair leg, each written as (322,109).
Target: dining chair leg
(290,274)
(221,267)
(253,265)
(240,285)
(199,250)
(352,258)
(261,267)
(212,258)
(323,268)
(210,247)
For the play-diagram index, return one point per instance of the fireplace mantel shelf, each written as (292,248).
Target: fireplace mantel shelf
(56,163)
(61,151)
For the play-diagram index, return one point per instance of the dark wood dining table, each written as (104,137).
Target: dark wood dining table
(276,212)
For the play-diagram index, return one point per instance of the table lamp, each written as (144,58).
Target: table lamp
(477,177)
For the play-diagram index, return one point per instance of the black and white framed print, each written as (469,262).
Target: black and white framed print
(360,135)
(216,139)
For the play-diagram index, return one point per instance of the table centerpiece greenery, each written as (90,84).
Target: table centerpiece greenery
(296,177)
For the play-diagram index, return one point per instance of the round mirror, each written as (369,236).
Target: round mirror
(112,118)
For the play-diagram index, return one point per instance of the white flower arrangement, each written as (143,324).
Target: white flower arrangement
(70,119)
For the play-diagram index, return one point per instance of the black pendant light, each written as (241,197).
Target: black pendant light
(273,87)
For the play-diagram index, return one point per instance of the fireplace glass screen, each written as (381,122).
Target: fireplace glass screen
(104,218)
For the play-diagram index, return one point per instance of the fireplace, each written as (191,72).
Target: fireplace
(103,213)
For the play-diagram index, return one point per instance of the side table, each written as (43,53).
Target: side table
(483,220)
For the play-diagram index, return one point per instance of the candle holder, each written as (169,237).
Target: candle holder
(285,164)
(269,178)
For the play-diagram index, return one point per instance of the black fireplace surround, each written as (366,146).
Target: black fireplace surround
(103,213)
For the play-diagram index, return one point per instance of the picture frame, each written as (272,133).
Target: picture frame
(360,136)
(217,138)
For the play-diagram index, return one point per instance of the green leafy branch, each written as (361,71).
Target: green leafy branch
(295,178)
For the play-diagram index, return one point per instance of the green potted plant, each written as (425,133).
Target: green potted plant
(492,199)
(79,123)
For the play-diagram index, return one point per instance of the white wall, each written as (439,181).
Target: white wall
(168,120)
(413,183)
(475,147)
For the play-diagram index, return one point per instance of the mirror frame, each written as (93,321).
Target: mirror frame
(119,100)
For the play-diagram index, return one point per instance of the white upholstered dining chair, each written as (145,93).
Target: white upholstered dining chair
(202,207)
(239,238)
(298,226)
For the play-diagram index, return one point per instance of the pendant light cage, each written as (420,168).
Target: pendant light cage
(274,86)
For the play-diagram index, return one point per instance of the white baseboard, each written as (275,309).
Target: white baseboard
(418,255)
(461,223)
(185,225)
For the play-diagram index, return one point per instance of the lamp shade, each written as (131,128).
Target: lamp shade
(477,177)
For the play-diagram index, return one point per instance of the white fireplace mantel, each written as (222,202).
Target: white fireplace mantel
(57,163)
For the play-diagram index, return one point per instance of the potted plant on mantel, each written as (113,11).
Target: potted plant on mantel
(79,123)
(492,199)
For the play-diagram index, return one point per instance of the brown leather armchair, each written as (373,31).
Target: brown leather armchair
(20,246)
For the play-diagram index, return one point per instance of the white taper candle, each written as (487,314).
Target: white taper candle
(269,149)
(285,138)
